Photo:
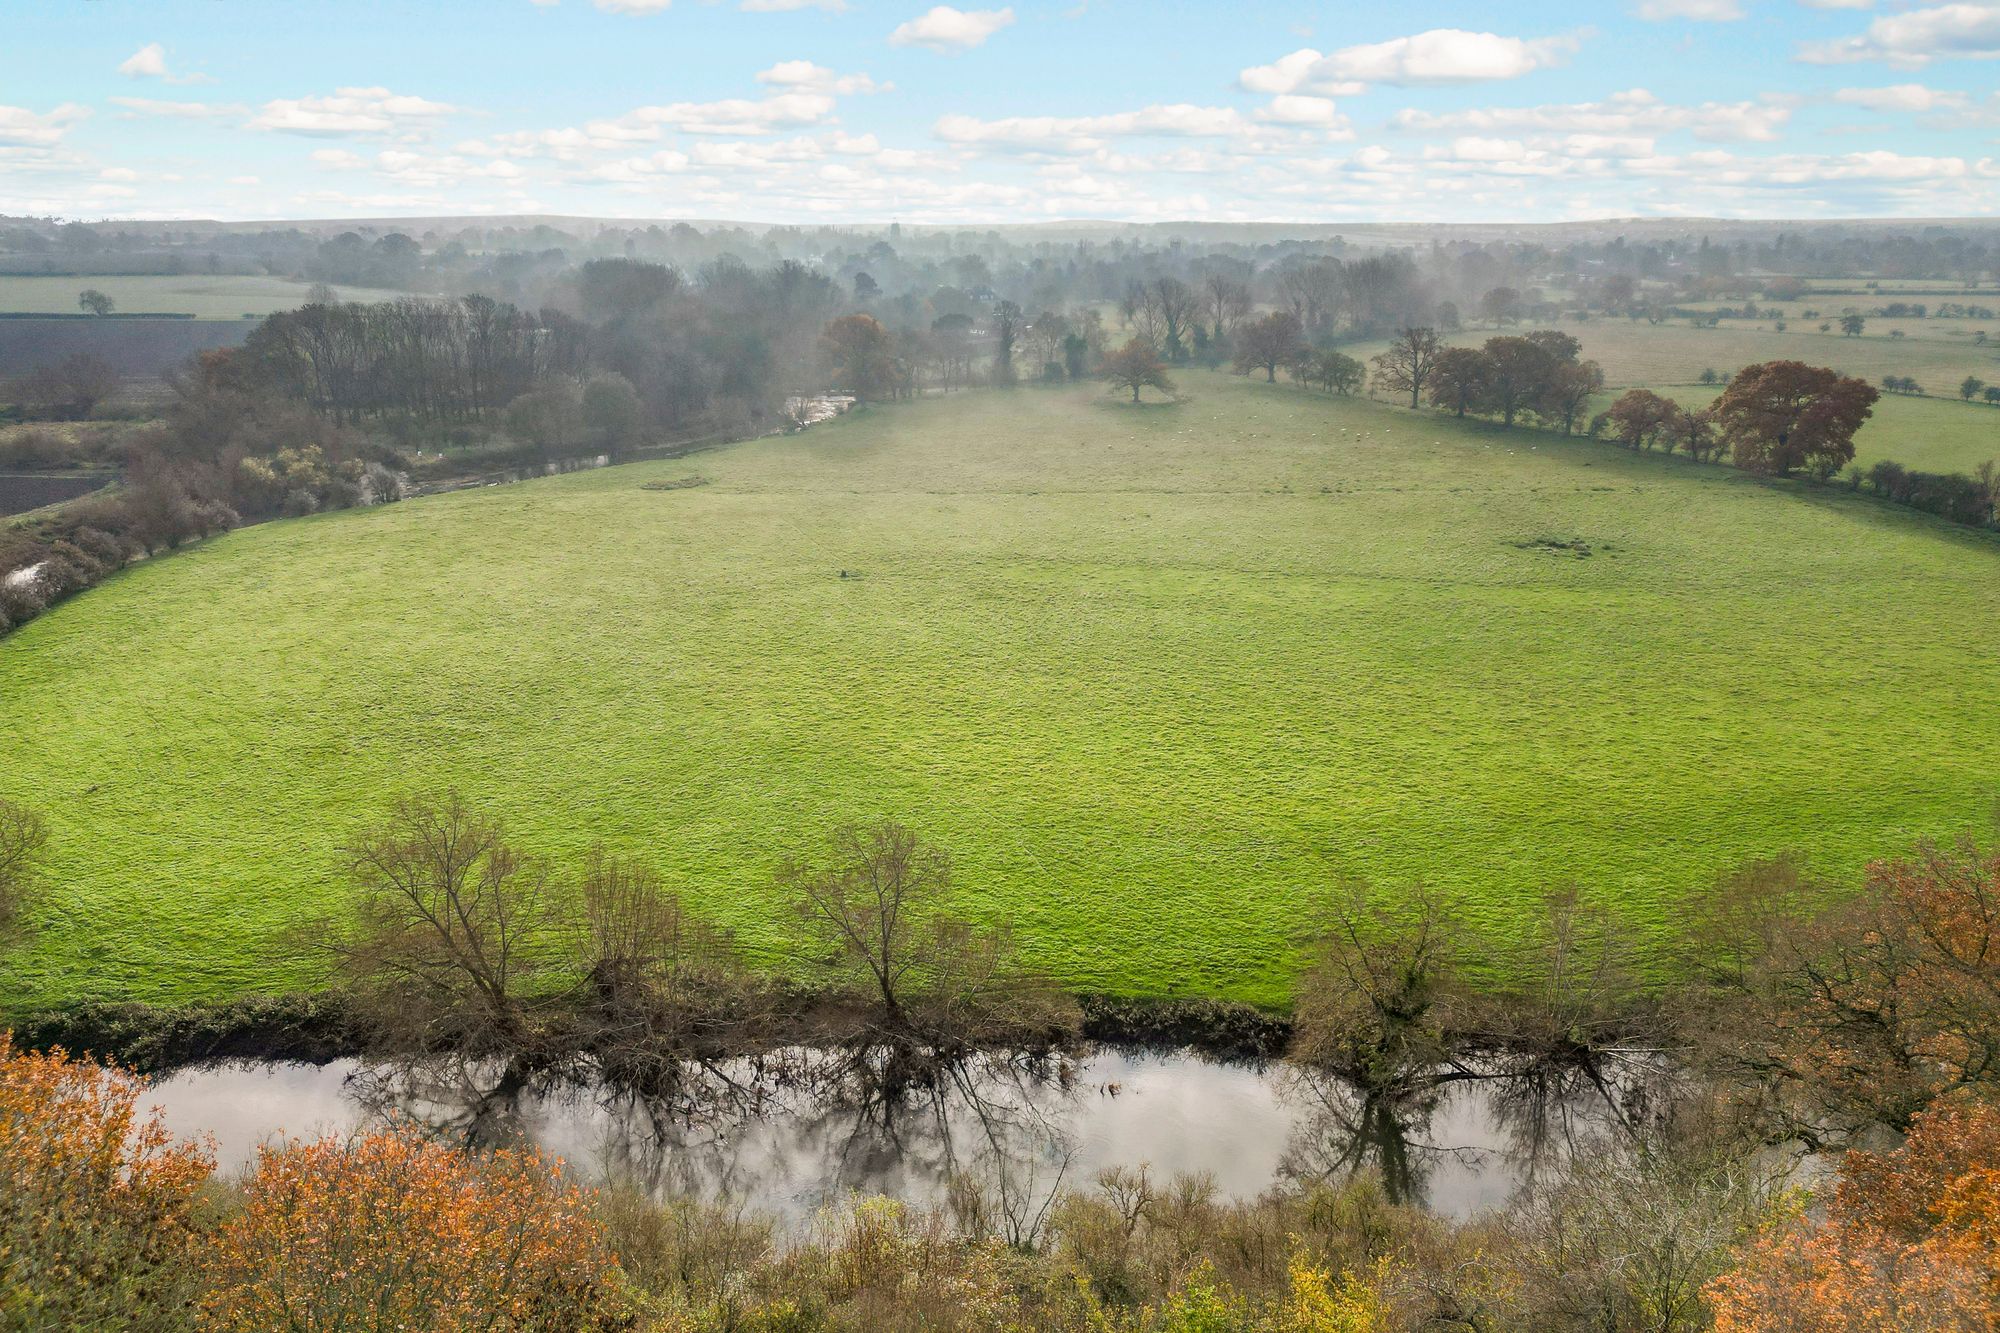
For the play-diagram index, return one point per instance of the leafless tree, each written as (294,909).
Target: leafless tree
(441,952)
(23,836)
(1406,366)
(1379,1005)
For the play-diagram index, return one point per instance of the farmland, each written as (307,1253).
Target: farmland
(200,295)
(1158,677)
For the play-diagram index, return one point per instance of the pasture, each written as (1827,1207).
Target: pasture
(205,296)
(1160,678)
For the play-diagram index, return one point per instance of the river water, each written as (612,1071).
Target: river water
(1021,1133)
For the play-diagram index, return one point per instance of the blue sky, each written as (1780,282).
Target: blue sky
(879,110)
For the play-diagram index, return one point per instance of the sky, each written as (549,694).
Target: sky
(852,111)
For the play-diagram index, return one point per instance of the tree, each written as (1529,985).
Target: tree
(860,355)
(1500,306)
(388,1230)
(612,412)
(1226,301)
(440,952)
(1406,367)
(1852,325)
(1782,415)
(870,900)
(1178,306)
(1337,372)
(1136,366)
(1006,329)
(94,302)
(1969,387)
(1568,390)
(1910,1240)
(1268,343)
(1639,417)
(551,416)
(22,839)
(1458,381)
(1518,372)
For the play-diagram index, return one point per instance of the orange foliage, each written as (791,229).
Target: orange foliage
(391,1231)
(97,1204)
(1911,1242)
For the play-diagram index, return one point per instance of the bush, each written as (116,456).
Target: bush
(98,1207)
(389,1231)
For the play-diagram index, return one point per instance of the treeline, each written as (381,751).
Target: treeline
(1810,1012)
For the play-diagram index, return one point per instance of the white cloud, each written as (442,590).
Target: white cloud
(948,29)
(148,62)
(1442,55)
(350,111)
(787,6)
(634,6)
(1964,31)
(1628,113)
(1313,112)
(22,128)
(803,74)
(1903,97)
(1697,11)
(1081,132)
(1838,4)
(149,106)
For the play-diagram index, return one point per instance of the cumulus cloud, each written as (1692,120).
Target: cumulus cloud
(22,128)
(350,111)
(1697,11)
(634,6)
(786,6)
(948,29)
(1962,31)
(1440,56)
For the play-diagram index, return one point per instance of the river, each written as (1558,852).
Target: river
(779,1150)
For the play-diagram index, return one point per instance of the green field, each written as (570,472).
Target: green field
(204,296)
(1158,677)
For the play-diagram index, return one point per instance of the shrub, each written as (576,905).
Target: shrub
(389,1231)
(98,1207)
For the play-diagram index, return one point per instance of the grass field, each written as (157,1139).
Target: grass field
(1158,677)
(201,295)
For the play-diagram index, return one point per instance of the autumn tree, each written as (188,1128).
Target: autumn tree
(1638,418)
(1870,1010)
(23,836)
(1268,343)
(1910,1240)
(99,1206)
(1406,367)
(1518,372)
(1782,415)
(1136,366)
(1458,381)
(1336,372)
(860,355)
(392,1231)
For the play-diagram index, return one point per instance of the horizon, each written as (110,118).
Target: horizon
(775,113)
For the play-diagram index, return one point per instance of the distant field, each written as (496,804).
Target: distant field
(1157,677)
(203,296)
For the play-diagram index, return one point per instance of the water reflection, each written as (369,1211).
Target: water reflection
(785,1139)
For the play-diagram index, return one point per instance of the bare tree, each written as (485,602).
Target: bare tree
(440,953)
(1006,330)
(1226,301)
(1178,307)
(23,836)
